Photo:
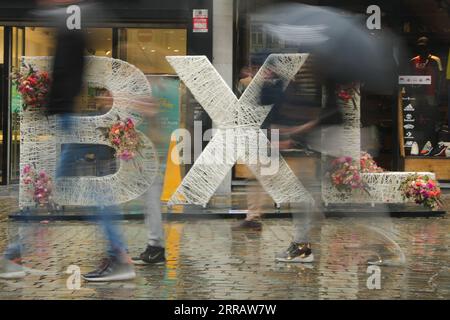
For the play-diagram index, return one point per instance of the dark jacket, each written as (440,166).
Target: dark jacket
(68,69)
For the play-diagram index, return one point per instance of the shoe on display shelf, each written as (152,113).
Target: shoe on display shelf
(440,150)
(415,149)
(427,149)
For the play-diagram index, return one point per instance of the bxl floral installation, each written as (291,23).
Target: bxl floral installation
(42,138)
(124,138)
(38,185)
(32,85)
(423,190)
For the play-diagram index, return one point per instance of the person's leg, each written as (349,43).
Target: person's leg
(17,235)
(117,266)
(254,202)
(14,250)
(302,224)
(154,252)
(254,205)
(153,217)
(11,261)
(117,248)
(303,217)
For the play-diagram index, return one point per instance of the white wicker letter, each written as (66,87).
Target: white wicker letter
(41,138)
(237,123)
(383,187)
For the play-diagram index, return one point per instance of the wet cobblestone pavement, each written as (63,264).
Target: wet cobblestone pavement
(207,259)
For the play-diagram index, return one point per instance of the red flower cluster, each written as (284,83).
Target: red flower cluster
(124,139)
(33,86)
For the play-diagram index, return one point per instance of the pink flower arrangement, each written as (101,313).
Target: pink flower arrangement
(346,176)
(33,86)
(124,139)
(368,165)
(39,185)
(423,190)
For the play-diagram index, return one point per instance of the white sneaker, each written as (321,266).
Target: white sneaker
(415,149)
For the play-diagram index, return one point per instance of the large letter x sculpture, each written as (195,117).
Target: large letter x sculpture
(239,119)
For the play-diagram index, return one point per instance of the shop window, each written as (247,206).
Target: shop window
(2,149)
(99,42)
(147,48)
(39,41)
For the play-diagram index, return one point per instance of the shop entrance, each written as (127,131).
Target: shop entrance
(145,48)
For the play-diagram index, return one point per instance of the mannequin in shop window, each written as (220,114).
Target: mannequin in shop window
(448,92)
(427,97)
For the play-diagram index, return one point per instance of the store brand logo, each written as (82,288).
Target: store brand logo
(409,118)
(409,107)
(409,135)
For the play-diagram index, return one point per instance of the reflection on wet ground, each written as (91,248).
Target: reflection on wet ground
(209,260)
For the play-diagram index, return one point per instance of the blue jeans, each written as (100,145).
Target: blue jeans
(105,214)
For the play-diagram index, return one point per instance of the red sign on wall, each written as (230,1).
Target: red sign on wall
(200,20)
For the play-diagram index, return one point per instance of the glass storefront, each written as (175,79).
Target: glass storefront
(145,48)
(401,137)
(2,63)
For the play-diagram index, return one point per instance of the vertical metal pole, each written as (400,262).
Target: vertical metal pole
(5,104)
(115,43)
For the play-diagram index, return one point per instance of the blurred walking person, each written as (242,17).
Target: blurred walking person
(68,71)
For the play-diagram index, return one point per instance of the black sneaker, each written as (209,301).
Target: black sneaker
(151,255)
(249,225)
(111,270)
(440,150)
(297,252)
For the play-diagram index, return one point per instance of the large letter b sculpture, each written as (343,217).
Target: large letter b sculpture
(42,138)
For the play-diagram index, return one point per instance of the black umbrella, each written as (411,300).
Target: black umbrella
(344,47)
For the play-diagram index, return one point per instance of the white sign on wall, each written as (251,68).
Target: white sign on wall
(414,80)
